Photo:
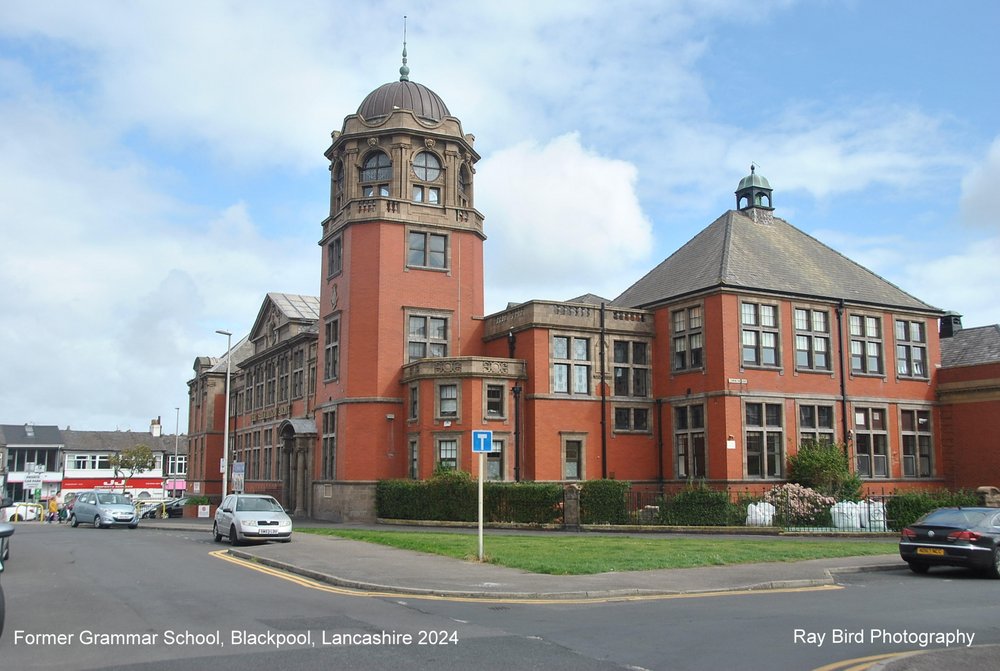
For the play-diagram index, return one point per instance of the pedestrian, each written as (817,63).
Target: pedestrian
(53,515)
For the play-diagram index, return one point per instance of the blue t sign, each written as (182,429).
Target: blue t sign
(482,441)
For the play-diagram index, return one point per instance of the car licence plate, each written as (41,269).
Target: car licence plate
(936,552)
(265,531)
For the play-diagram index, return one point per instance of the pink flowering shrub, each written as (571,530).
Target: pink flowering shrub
(796,505)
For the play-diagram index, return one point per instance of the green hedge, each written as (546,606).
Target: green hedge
(699,505)
(604,502)
(452,496)
(905,508)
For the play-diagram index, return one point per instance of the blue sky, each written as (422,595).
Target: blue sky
(162,169)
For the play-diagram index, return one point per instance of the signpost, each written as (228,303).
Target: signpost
(482,442)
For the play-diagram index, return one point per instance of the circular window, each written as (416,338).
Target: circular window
(426,166)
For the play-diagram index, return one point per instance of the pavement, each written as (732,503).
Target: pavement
(371,568)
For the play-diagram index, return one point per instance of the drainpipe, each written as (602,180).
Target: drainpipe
(659,439)
(604,399)
(843,373)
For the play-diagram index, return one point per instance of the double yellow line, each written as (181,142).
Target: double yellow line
(346,591)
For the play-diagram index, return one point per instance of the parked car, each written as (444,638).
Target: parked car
(104,509)
(161,509)
(244,517)
(5,539)
(967,537)
(24,511)
(5,532)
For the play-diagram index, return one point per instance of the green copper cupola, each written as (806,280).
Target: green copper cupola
(754,191)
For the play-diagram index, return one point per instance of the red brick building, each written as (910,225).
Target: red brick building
(749,339)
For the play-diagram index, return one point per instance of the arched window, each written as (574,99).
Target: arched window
(464,193)
(338,185)
(427,168)
(377,168)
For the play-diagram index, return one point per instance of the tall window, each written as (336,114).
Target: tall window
(916,440)
(495,461)
(688,343)
(267,454)
(447,454)
(272,381)
(335,256)
(330,445)
(464,192)
(496,395)
(871,443)
(631,369)
(448,400)
(764,443)
(258,393)
(338,185)
(331,349)
(283,372)
(572,459)
(760,334)
(427,336)
(570,365)
(812,339)
(689,441)
(427,250)
(911,348)
(248,406)
(375,176)
(414,401)
(816,424)
(298,372)
(414,459)
(866,345)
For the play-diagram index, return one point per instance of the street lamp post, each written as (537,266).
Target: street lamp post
(225,431)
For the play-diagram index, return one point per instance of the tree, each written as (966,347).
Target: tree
(826,468)
(132,460)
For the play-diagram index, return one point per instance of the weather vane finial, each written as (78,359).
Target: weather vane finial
(404,72)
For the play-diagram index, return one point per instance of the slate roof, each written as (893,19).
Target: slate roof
(17,434)
(971,346)
(241,351)
(589,299)
(116,441)
(772,256)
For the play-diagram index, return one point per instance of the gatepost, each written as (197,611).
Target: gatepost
(571,507)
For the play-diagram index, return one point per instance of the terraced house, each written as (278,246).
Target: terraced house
(716,365)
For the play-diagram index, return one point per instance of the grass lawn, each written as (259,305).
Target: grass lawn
(576,555)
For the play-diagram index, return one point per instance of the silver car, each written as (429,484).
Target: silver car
(104,509)
(245,517)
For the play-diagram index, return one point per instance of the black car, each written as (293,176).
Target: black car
(968,537)
(165,509)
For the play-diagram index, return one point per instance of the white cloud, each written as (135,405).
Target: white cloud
(560,217)
(980,189)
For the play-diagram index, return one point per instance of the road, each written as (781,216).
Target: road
(142,599)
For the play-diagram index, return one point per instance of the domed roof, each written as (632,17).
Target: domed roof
(403,95)
(753,179)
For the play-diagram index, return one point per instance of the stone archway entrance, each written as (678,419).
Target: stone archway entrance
(294,469)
